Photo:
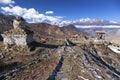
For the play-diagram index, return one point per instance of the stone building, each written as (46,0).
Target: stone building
(74,37)
(100,37)
(20,35)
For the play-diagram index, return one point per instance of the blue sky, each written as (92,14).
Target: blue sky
(63,9)
(75,9)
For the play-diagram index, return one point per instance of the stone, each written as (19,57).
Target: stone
(64,79)
(1,56)
(18,22)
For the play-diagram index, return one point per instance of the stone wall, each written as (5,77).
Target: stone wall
(20,39)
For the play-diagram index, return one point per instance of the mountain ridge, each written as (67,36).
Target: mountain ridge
(41,29)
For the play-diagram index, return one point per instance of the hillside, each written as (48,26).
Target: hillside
(40,29)
(57,58)
(70,30)
(5,22)
(44,30)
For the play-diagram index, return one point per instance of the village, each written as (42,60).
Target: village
(68,58)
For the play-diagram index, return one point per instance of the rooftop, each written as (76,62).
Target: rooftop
(101,32)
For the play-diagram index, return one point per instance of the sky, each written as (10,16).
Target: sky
(53,11)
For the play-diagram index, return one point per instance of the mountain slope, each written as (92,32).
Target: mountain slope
(70,30)
(40,29)
(5,22)
(53,61)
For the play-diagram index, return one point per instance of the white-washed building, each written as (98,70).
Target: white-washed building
(19,35)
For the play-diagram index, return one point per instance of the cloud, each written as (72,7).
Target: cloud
(16,10)
(49,12)
(31,14)
(7,1)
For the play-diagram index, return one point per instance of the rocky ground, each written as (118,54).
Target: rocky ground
(54,61)
(51,59)
(114,39)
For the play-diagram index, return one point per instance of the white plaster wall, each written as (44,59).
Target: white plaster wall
(23,39)
(8,41)
(20,39)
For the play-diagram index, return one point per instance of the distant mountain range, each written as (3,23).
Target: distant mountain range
(87,23)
